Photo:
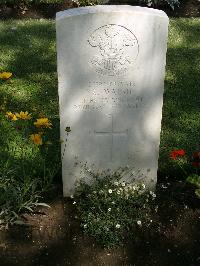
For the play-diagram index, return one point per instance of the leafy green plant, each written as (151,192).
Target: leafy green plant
(36,144)
(31,2)
(17,195)
(88,2)
(25,175)
(173,3)
(195,180)
(111,210)
(192,163)
(156,3)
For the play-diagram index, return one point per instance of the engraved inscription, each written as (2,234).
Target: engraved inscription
(115,95)
(117,49)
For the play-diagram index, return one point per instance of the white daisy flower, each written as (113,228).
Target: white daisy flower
(152,194)
(118,226)
(110,191)
(139,222)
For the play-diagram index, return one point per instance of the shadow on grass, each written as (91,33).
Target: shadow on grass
(28,51)
(181,121)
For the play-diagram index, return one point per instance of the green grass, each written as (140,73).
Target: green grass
(28,50)
(181,112)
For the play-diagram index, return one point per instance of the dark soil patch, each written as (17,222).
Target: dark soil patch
(53,236)
(187,8)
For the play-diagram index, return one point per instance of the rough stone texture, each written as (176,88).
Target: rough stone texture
(111,66)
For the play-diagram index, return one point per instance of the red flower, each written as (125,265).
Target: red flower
(177,153)
(196,159)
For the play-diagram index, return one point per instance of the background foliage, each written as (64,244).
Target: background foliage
(150,3)
(32,2)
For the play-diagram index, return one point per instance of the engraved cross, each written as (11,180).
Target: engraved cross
(112,133)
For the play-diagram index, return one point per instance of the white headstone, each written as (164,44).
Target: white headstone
(111,67)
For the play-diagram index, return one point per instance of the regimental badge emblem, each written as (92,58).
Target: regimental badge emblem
(117,49)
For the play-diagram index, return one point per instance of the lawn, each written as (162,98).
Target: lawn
(28,50)
(181,119)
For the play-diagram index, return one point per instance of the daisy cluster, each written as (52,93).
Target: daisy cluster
(109,208)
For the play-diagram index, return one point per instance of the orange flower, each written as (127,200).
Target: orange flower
(11,116)
(5,75)
(43,123)
(177,153)
(36,138)
(23,115)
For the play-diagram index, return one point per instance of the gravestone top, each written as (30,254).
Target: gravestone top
(111,67)
(108,9)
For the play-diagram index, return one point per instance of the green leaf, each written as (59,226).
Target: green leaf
(42,204)
(194,179)
(197,192)
(28,208)
(19,222)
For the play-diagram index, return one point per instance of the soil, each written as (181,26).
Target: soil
(54,237)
